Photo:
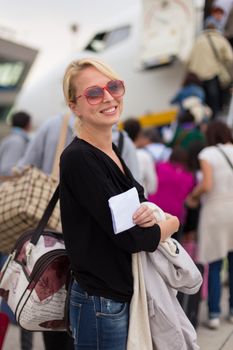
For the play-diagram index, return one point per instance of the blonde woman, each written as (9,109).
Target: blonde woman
(91,172)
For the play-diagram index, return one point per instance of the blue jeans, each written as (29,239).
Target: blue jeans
(214,286)
(97,323)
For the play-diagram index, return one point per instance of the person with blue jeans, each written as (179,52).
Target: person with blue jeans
(214,283)
(91,172)
(215,238)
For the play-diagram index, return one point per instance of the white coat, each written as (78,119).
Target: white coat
(157,321)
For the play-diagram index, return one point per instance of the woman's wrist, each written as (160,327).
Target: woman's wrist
(195,194)
(168,227)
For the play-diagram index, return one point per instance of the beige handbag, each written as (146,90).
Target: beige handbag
(224,76)
(24,198)
(225,73)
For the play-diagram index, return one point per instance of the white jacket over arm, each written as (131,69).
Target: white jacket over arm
(164,272)
(164,275)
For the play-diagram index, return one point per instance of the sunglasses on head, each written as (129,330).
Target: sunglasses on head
(95,94)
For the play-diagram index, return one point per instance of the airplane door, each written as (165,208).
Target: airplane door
(169,30)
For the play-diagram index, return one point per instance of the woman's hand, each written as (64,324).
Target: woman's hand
(169,226)
(144,217)
(192,202)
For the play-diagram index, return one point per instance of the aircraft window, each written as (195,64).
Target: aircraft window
(117,35)
(97,44)
(105,39)
(10,74)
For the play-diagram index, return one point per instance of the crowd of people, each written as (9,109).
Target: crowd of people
(188,175)
(195,184)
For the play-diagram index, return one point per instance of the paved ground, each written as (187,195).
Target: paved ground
(13,336)
(221,339)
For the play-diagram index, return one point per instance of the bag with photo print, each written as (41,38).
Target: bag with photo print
(35,277)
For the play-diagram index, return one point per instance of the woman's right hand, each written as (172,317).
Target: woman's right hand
(144,216)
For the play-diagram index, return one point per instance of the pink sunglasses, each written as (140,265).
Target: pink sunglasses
(95,94)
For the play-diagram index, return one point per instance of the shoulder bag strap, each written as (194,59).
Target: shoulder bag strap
(216,54)
(45,217)
(225,156)
(60,145)
(213,48)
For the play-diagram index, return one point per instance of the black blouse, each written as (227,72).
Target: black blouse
(100,259)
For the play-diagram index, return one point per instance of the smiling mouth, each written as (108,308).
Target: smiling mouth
(110,110)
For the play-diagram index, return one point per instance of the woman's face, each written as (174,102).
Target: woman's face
(105,113)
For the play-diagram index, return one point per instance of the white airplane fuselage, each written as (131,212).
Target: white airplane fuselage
(147,91)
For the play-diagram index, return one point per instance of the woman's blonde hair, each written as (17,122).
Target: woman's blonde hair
(75,68)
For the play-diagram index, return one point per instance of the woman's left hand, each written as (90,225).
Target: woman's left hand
(192,202)
(144,216)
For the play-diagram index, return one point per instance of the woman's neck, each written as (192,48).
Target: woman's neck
(101,139)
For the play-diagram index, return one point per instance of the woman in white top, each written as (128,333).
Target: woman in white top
(215,227)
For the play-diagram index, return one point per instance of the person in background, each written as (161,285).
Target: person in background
(216,18)
(226,5)
(153,143)
(187,131)
(148,177)
(175,182)
(216,220)
(12,148)
(205,65)
(92,172)
(191,86)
